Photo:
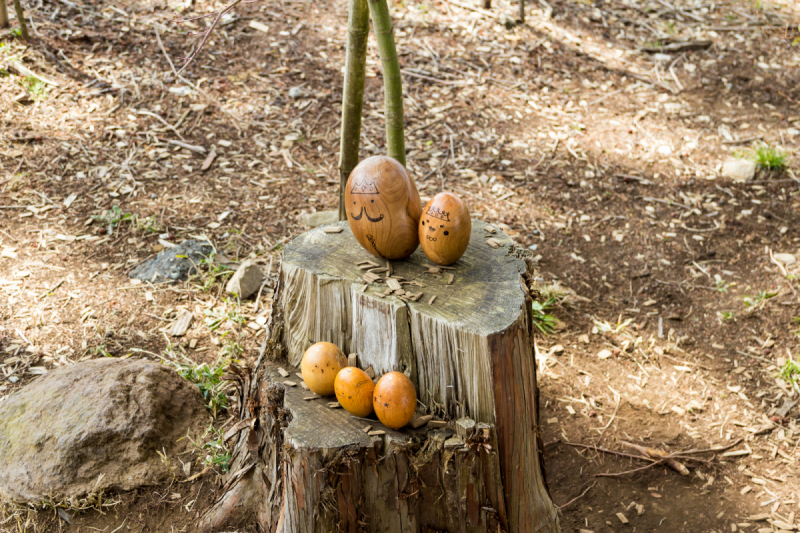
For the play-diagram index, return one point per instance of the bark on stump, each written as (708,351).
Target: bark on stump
(300,466)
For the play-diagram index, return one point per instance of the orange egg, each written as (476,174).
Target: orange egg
(394,400)
(383,207)
(354,391)
(320,364)
(445,228)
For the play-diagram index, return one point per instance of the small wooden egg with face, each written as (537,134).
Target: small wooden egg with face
(354,391)
(445,228)
(394,400)
(383,207)
(320,365)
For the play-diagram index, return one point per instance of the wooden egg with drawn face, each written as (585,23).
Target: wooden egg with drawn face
(445,228)
(383,207)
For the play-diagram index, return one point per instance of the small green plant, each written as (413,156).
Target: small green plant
(728,316)
(790,372)
(770,158)
(35,87)
(208,379)
(146,224)
(213,270)
(670,26)
(212,445)
(3,73)
(113,218)
(545,322)
(722,285)
(756,302)
(16,32)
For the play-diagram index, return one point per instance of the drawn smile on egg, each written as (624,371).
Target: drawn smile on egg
(433,228)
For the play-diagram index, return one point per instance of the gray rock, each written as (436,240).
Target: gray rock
(168,267)
(246,280)
(95,425)
(296,92)
(739,169)
(320,218)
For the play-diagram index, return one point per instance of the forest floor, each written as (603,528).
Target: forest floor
(593,134)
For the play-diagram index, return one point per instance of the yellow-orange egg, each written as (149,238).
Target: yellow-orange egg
(354,391)
(320,364)
(445,228)
(394,400)
(383,207)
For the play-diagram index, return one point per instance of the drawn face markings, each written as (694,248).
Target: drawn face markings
(365,186)
(438,217)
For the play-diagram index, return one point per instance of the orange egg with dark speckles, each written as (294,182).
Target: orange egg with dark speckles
(394,400)
(354,389)
(320,364)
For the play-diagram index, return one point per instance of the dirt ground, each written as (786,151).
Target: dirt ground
(587,133)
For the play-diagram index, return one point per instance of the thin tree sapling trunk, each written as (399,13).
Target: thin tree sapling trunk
(522,11)
(3,14)
(392,82)
(353,97)
(487,4)
(23,28)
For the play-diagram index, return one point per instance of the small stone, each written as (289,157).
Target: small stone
(246,280)
(557,349)
(584,338)
(296,92)
(320,218)
(739,169)
(604,354)
(665,150)
(173,264)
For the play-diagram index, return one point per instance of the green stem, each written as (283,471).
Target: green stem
(23,28)
(392,82)
(3,14)
(353,97)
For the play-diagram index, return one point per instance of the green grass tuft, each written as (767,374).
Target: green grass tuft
(770,158)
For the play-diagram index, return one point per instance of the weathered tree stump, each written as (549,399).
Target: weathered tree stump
(469,354)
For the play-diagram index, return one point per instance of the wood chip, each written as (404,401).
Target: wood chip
(181,324)
(367,429)
(299,375)
(450,279)
(193,344)
(433,299)
(333,229)
(437,424)
(376,433)
(622,518)
(314,397)
(290,383)
(334,405)
(352,359)
(209,160)
(421,421)
(393,284)
(494,243)
(260,26)
(282,372)
(370,372)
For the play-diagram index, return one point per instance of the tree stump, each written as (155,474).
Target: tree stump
(463,337)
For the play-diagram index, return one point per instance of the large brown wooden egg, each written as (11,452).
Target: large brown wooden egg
(320,364)
(445,228)
(354,391)
(383,207)
(394,400)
